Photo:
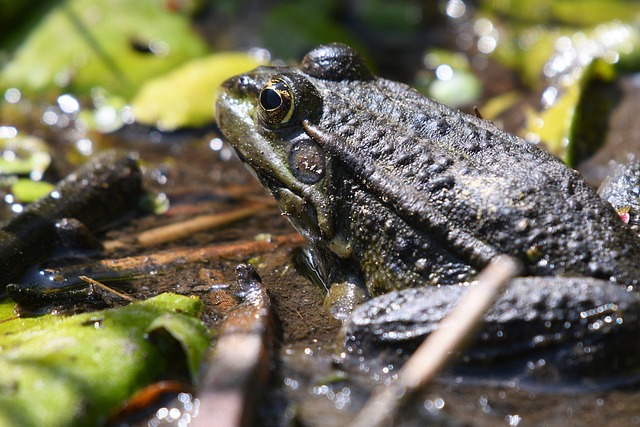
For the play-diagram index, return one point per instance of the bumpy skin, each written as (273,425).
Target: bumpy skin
(622,190)
(582,328)
(399,190)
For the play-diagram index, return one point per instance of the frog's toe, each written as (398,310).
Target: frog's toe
(343,298)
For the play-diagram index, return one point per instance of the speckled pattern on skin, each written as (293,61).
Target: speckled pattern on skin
(413,192)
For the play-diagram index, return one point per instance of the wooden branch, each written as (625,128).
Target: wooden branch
(237,366)
(182,229)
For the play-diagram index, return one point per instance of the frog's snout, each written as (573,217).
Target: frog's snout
(219,104)
(240,86)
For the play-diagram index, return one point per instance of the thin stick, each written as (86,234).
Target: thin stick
(179,230)
(105,287)
(237,366)
(129,268)
(432,355)
(187,255)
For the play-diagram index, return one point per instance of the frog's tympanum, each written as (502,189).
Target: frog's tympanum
(393,190)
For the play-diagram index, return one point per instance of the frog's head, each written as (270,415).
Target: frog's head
(266,115)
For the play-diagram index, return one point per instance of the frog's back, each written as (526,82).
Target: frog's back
(477,190)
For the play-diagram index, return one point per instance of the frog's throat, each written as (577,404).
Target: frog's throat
(292,196)
(292,205)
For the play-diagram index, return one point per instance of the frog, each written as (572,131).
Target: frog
(394,191)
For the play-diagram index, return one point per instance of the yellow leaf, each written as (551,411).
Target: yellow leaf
(184,97)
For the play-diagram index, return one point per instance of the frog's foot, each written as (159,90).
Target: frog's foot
(343,297)
(572,332)
(345,291)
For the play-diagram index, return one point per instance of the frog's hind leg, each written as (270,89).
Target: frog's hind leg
(571,332)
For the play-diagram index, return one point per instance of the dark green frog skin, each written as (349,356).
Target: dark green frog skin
(404,191)
(394,190)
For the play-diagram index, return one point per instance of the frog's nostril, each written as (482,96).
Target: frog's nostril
(231,84)
(240,86)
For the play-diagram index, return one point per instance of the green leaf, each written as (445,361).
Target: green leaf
(27,191)
(566,12)
(463,88)
(118,44)
(554,124)
(24,154)
(497,105)
(593,56)
(59,371)
(185,96)
(182,330)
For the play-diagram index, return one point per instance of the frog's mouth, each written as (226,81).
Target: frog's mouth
(301,213)
(306,209)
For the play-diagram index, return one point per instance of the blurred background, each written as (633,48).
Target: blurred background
(158,62)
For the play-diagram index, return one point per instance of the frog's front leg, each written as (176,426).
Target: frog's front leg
(572,329)
(344,286)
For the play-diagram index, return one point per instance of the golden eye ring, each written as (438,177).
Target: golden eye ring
(276,103)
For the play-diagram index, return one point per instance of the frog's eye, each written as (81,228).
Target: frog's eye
(306,161)
(276,102)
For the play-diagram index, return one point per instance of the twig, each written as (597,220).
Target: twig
(139,266)
(179,230)
(206,207)
(91,281)
(237,367)
(432,355)
(186,255)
